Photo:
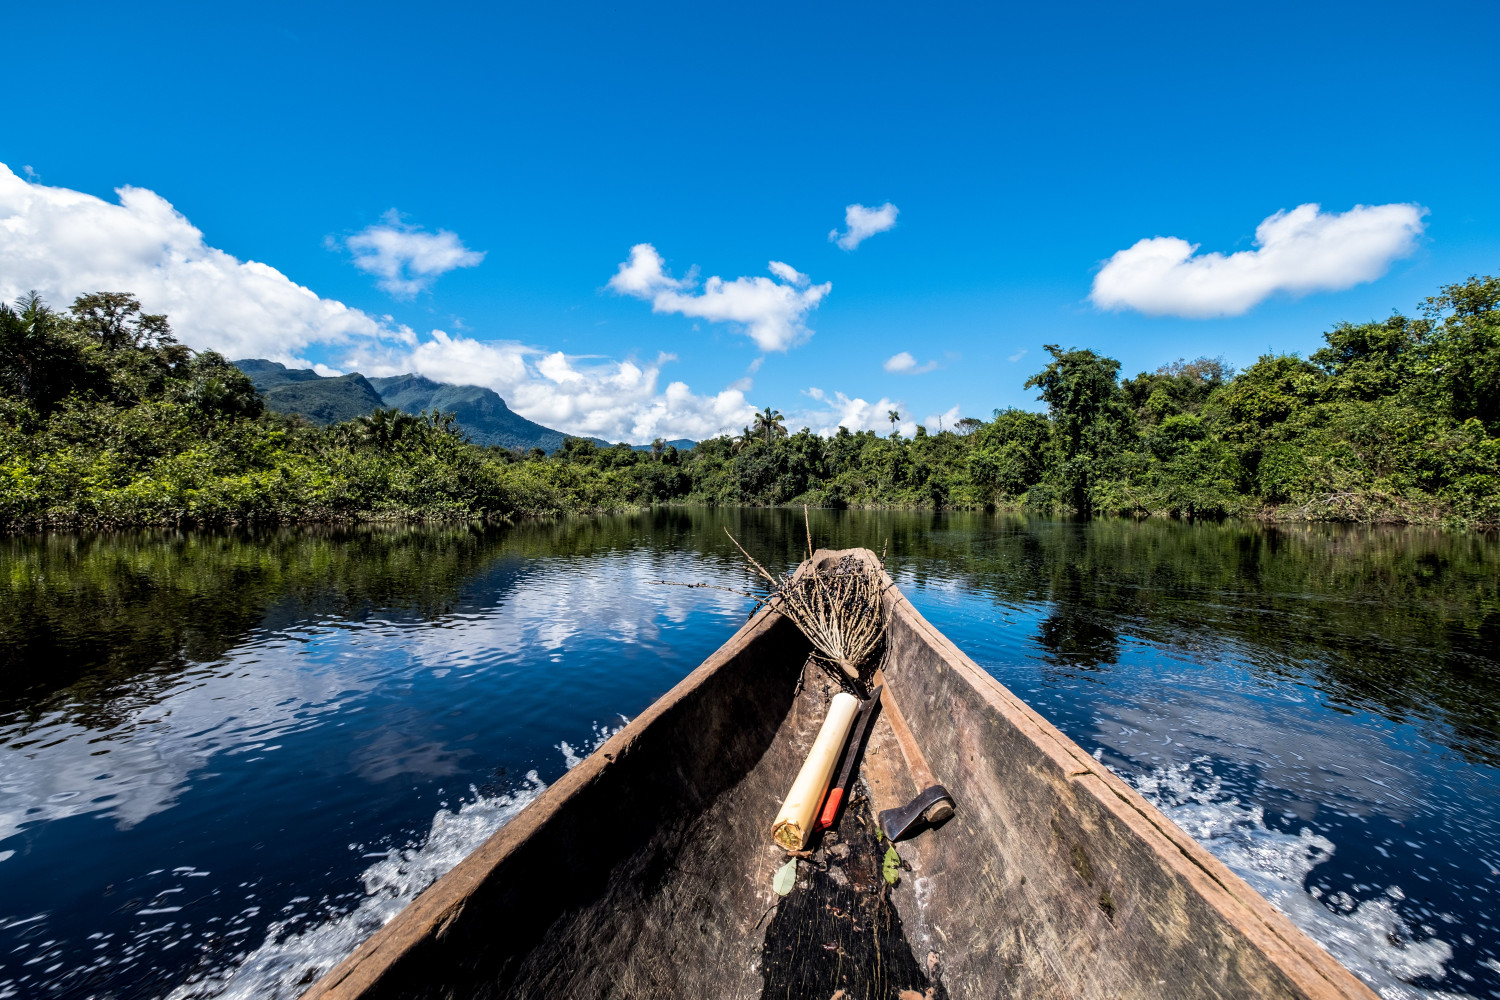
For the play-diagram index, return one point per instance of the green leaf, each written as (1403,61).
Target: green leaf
(891,868)
(786,877)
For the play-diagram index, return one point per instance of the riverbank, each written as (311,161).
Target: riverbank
(1393,422)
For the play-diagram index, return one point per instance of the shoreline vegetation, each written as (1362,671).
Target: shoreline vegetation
(106,421)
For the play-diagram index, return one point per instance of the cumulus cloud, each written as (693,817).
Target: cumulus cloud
(905,364)
(862,223)
(405,258)
(610,399)
(772,313)
(945,421)
(1297,252)
(789,274)
(856,413)
(65,243)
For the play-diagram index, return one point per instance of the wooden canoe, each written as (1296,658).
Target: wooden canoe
(647,870)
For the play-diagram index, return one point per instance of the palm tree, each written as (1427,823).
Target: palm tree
(771,423)
(738,442)
(894,416)
(385,427)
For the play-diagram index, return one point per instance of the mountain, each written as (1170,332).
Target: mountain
(481,412)
(321,399)
(681,444)
(326,400)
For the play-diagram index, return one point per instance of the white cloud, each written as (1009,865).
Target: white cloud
(406,259)
(946,421)
(857,414)
(1018,355)
(1297,252)
(789,274)
(863,223)
(644,274)
(65,243)
(773,313)
(614,400)
(905,364)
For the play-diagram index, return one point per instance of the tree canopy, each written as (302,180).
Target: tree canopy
(105,419)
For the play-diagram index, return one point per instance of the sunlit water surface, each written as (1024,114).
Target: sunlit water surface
(226,759)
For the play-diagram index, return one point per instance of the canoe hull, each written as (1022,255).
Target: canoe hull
(646,870)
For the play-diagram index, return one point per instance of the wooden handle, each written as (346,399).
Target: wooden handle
(794,823)
(915,762)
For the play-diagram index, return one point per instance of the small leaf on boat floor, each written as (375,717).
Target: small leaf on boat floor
(891,866)
(786,877)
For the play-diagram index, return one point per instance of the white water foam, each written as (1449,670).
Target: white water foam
(1370,938)
(286,963)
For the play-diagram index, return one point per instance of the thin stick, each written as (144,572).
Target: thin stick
(808,525)
(751,558)
(709,586)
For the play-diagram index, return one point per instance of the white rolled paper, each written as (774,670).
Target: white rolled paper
(794,823)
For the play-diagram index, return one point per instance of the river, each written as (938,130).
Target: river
(226,757)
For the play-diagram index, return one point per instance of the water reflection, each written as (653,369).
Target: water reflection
(211,744)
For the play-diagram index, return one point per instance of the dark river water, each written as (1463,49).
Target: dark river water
(225,759)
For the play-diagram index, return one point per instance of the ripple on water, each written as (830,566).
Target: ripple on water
(297,950)
(1368,937)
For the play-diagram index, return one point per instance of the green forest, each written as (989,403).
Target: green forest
(106,420)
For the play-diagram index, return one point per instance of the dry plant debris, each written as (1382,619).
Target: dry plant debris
(839,608)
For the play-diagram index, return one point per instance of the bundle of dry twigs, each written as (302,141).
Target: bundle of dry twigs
(838,607)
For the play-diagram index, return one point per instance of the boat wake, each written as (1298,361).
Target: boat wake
(288,960)
(1370,938)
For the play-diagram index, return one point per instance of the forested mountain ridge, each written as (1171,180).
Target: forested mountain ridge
(323,399)
(106,420)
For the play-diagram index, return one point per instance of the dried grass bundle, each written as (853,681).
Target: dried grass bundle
(838,607)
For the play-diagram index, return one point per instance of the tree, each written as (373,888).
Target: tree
(115,320)
(658,445)
(1269,391)
(1009,456)
(1180,387)
(1464,351)
(386,428)
(1089,418)
(770,423)
(894,416)
(40,359)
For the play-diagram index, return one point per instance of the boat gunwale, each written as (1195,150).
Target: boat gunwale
(1266,928)
(443,901)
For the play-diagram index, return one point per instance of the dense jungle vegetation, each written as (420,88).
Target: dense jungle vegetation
(106,420)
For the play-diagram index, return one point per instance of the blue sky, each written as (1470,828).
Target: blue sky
(1022,148)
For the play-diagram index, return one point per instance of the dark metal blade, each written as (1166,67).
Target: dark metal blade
(857,737)
(931,807)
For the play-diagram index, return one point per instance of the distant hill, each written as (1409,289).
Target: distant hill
(481,412)
(323,400)
(681,444)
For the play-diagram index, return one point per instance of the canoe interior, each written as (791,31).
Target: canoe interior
(647,870)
